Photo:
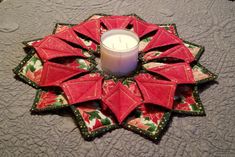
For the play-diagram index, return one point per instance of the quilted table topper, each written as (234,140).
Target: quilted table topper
(64,68)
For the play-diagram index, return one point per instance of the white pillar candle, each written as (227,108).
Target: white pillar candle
(119,52)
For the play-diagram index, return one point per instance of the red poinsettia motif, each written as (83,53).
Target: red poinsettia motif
(164,83)
(35,76)
(46,99)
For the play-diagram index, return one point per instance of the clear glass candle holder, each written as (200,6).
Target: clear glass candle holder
(119,52)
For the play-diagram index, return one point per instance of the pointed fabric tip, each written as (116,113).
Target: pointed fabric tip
(54,74)
(179,52)
(51,47)
(85,88)
(114,22)
(37,42)
(181,73)
(121,101)
(90,28)
(48,100)
(156,92)
(70,36)
(162,38)
(187,101)
(142,28)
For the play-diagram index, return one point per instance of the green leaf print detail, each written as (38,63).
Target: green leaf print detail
(87,42)
(147,118)
(105,121)
(147,39)
(31,68)
(125,82)
(93,115)
(34,59)
(194,107)
(157,53)
(82,66)
(152,127)
(60,101)
(167,28)
(57,104)
(191,46)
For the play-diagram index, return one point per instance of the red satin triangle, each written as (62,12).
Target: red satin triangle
(133,88)
(54,74)
(162,38)
(121,101)
(142,28)
(85,88)
(157,92)
(113,22)
(52,47)
(179,52)
(90,29)
(38,42)
(107,86)
(71,36)
(181,73)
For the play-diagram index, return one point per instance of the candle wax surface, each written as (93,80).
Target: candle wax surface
(120,42)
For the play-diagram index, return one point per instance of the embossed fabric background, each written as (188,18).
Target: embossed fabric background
(206,22)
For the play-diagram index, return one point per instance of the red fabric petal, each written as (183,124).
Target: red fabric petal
(162,38)
(98,124)
(86,88)
(86,117)
(46,99)
(107,86)
(90,29)
(181,73)
(37,43)
(54,74)
(113,22)
(179,52)
(132,86)
(142,28)
(71,36)
(121,101)
(157,92)
(51,47)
